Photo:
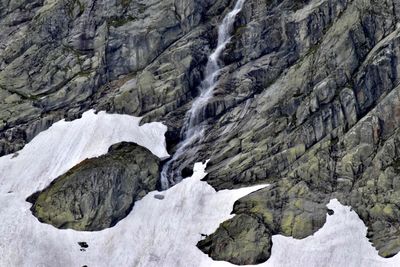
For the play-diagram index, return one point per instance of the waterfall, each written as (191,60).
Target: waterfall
(192,128)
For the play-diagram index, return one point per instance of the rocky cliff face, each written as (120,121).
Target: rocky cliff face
(308,99)
(58,57)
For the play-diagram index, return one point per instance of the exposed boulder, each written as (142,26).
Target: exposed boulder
(240,240)
(98,192)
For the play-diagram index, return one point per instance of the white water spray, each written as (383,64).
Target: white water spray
(192,128)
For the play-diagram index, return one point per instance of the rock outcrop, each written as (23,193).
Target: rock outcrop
(241,240)
(98,192)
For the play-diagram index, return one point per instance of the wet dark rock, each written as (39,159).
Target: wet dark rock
(187,172)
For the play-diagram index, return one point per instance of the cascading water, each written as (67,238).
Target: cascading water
(192,128)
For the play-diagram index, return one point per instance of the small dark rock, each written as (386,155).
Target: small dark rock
(172,138)
(159,197)
(330,212)
(83,244)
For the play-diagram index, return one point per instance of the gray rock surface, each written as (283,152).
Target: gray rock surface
(59,58)
(326,127)
(98,192)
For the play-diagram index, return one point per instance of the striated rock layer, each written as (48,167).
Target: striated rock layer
(326,127)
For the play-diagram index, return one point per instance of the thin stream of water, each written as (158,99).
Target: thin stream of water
(192,129)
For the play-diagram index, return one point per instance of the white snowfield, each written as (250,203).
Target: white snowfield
(157,232)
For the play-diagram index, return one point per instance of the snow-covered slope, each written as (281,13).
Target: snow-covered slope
(156,232)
